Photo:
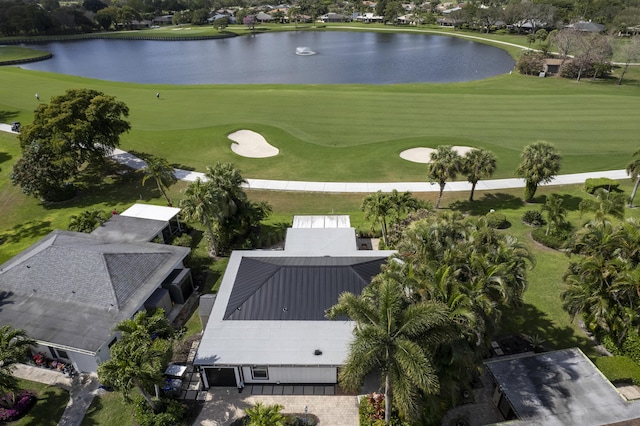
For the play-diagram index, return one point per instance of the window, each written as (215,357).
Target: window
(62,354)
(113,342)
(260,373)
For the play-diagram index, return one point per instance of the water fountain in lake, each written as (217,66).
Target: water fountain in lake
(304,51)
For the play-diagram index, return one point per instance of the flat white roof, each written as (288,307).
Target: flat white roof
(148,211)
(321,241)
(322,221)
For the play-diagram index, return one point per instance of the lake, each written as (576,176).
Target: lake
(329,58)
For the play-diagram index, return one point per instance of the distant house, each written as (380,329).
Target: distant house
(263,17)
(551,66)
(70,289)
(163,20)
(557,388)
(268,323)
(370,18)
(334,17)
(586,27)
(450,22)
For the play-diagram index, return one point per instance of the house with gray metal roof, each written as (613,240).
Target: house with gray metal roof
(268,323)
(70,289)
(557,388)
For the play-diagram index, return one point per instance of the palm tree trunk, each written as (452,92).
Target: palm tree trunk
(387,400)
(473,188)
(212,250)
(147,397)
(633,193)
(164,194)
(440,195)
(384,231)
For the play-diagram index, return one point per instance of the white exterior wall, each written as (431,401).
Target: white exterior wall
(294,375)
(83,363)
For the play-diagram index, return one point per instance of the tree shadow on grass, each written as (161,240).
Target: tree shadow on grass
(28,230)
(48,410)
(8,116)
(4,157)
(529,320)
(495,201)
(95,407)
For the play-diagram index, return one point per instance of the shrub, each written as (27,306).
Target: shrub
(619,369)
(184,240)
(19,404)
(530,63)
(371,411)
(533,218)
(555,240)
(592,184)
(170,413)
(496,220)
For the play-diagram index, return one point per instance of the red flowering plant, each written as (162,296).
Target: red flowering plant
(39,359)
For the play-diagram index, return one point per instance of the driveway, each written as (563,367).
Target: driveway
(224,405)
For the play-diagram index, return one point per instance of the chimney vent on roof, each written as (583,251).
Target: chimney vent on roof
(317,352)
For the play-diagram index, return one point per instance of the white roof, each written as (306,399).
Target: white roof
(331,241)
(326,221)
(148,211)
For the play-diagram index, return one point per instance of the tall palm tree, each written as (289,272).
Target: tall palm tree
(140,357)
(540,163)
(161,172)
(228,179)
(377,207)
(444,165)
(205,204)
(556,213)
(393,335)
(633,170)
(14,348)
(478,164)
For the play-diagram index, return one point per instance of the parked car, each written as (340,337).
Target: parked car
(16,126)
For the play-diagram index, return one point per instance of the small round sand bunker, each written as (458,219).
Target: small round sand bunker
(250,144)
(423,155)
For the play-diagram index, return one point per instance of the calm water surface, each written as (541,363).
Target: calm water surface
(349,57)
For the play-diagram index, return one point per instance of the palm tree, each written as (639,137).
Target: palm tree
(87,220)
(205,204)
(393,335)
(444,165)
(228,179)
(478,164)
(377,207)
(606,203)
(633,170)
(540,163)
(265,415)
(140,357)
(161,172)
(556,213)
(14,348)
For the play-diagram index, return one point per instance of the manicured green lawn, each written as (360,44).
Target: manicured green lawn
(16,53)
(108,409)
(51,404)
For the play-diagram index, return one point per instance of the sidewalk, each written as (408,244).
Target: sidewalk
(363,187)
(82,390)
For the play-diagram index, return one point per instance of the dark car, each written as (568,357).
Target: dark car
(16,126)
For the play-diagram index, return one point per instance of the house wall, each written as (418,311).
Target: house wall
(294,375)
(84,363)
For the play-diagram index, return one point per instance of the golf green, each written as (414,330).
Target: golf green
(356,132)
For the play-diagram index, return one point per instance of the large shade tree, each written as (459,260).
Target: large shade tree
(540,164)
(394,337)
(140,357)
(445,165)
(80,126)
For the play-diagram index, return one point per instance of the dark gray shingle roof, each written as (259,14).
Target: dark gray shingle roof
(296,288)
(72,288)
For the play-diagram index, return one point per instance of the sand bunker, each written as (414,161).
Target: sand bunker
(251,144)
(423,155)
